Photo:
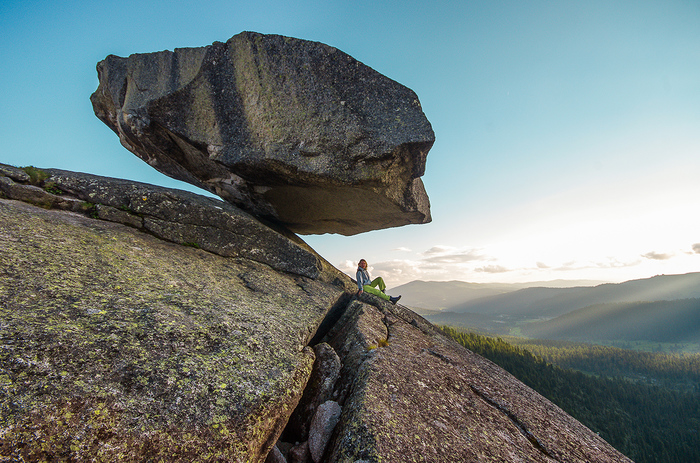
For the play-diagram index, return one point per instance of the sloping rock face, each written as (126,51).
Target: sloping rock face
(290,130)
(117,344)
(174,215)
(410,394)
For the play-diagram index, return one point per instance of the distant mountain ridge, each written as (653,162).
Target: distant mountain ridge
(664,308)
(659,321)
(545,299)
(552,302)
(447,295)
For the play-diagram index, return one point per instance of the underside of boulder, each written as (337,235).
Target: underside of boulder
(290,130)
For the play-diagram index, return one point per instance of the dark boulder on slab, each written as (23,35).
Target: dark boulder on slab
(290,130)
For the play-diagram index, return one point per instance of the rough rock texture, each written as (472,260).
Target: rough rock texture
(300,453)
(423,398)
(291,130)
(322,425)
(319,389)
(174,215)
(118,346)
(275,456)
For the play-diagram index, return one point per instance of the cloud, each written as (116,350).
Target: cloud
(455,258)
(441,263)
(492,269)
(400,271)
(348,266)
(657,255)
(696,248)
(437,250)
(613,262)
(448,255)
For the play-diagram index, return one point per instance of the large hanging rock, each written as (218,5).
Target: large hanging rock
(288,129)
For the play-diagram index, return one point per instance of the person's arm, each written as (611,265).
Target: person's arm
(358,277)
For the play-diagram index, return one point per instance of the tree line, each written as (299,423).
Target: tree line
(650,423)
(674,370)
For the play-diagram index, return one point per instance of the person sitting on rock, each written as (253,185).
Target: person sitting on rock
(365,283)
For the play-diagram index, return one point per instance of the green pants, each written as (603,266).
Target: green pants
(371,288)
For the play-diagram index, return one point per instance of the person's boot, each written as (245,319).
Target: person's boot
(394,300)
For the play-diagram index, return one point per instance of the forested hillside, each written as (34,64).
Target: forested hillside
(679,371)
(649,423)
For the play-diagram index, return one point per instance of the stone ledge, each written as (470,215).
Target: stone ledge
(174,215)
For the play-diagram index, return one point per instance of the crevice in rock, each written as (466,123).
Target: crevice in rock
(331,318)
(514,419)
(295,441)
(328,386)
(438,355)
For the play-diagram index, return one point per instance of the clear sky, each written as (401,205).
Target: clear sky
(568,132)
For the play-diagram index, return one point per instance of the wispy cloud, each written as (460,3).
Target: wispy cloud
(448,255)
(348,267)
(394,271)
(653,255)
(440,263)
(438,250)
(436,263)
(609,263)
(613,262)
(492,269)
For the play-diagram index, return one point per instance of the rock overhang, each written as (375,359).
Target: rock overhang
(276,125)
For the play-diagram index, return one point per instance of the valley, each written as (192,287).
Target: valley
(658,313)
(624,359)
(645,405)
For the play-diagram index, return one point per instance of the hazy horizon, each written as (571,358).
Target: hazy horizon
(561,282)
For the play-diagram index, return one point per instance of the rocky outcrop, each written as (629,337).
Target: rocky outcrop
(174,215)
(293,131)
(119,345)
(410,394)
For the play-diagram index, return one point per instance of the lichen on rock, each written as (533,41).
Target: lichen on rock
(422,397)
(116,345)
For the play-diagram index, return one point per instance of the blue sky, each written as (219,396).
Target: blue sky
(568,132)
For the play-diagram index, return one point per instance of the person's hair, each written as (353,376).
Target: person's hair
(360,262)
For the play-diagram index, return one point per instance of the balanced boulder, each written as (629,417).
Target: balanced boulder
(290,130)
